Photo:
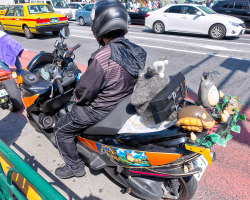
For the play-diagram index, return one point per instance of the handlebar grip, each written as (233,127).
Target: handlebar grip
(59,85)
(74,48)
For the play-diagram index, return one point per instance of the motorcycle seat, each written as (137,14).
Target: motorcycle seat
(114,121)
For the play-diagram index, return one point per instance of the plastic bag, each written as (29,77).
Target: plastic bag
(143,124)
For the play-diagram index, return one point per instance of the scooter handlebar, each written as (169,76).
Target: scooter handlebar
(73,49)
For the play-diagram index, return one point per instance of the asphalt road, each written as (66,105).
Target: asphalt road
(227,179)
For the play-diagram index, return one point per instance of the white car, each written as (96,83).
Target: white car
(74,7)
(192,18)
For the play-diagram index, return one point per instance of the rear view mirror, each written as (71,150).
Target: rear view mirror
(64,33)
(199,13)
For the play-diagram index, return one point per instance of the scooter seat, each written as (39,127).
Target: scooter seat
(111,124)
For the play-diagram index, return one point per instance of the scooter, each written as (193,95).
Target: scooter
(165,164)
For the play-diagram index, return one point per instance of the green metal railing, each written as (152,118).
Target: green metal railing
(16,168)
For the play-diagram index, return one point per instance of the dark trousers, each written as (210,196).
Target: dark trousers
(74,122)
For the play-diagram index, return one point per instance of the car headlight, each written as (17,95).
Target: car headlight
(234,24)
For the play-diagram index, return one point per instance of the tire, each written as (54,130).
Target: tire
(81,21)
(158,27)
(217,31)
(15,103)
(27,32)
(187,188)
(2,28)
(55,32)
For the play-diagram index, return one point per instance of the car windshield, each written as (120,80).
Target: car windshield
(206,10)
(35,9)
(59,4)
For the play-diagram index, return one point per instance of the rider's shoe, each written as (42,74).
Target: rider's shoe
(66,171)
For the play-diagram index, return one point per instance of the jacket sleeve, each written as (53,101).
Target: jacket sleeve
(89,84)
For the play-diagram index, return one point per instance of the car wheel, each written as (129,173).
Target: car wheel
(217,31)
(1,28)
(158,27)
(27,32)
(81,21)
(55,32)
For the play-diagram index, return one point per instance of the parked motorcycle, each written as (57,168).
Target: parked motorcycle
(165,164)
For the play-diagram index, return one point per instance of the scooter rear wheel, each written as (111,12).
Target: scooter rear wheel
(187,188)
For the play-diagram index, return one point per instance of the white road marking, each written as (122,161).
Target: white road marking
(163,38)
(80,36)
(210,40)
(172,49)
(81,27)
(212,47)
(194,52)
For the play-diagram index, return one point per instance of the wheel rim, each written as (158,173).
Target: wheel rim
(10,106)
(217,31)
(81,21)
(158,27)
(27,32)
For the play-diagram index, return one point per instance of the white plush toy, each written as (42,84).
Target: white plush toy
(160,67)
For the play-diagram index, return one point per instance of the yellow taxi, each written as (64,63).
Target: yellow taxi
(32,19)
(3,9)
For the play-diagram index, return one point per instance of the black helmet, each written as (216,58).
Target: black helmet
(107,16)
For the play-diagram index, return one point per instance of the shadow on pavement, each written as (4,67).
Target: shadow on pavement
(191,35)
(102,171)
(11,128)
(91,198)
(71,195)
(247,31)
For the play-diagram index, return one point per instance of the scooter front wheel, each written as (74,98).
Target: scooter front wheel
(186,188)
(15,102)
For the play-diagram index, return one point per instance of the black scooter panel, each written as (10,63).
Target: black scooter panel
(57,102)
(40,59)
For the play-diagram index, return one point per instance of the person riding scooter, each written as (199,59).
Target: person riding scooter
(111,76)
(10,50)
